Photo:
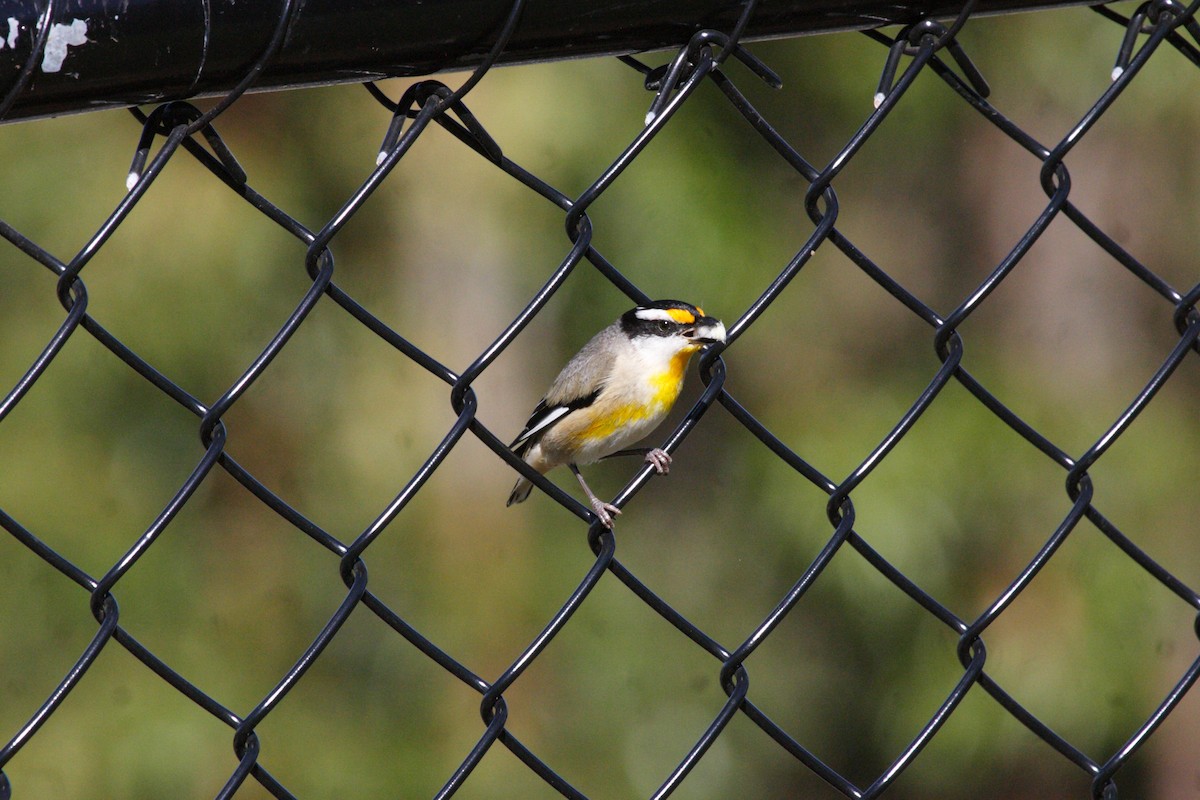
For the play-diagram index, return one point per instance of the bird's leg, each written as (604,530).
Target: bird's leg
(660,459)
(603,510)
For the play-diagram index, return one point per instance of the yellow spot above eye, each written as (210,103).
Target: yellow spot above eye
(682,315)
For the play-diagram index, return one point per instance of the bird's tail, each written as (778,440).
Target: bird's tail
(520,492)
(524,486)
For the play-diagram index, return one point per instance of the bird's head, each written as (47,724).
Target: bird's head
(672,322)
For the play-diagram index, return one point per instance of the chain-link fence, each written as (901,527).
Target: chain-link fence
(994,601)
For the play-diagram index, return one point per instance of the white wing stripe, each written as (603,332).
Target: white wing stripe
(549,418)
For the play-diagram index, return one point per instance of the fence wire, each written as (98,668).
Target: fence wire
(179,130)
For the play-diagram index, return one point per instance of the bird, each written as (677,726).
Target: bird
(614,391)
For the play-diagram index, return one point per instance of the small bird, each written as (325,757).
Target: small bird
(613,392)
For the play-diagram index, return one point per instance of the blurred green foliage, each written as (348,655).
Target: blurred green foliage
(447,252)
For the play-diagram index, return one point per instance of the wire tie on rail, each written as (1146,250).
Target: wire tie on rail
(159,122)
(889,70)
(405,109)
(467,128)
(1137,25)
(143,148)
(909,42)
(1145,19)
(665,79)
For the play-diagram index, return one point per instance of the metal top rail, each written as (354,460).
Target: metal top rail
(99,53)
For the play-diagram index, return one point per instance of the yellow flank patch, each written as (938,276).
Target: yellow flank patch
(665,389)
(682,315)
(618,418)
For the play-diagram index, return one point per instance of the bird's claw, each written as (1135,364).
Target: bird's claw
(660,460)
(605,511)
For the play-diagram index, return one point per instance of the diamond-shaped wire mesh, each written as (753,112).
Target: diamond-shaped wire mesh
(929,530)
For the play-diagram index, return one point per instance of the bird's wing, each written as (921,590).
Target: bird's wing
(545,415)
(575,387)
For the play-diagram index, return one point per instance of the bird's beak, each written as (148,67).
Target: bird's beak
(707,330)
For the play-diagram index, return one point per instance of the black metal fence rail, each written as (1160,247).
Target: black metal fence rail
(923,44)
(150,52)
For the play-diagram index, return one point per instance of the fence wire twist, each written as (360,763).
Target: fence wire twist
(925,45)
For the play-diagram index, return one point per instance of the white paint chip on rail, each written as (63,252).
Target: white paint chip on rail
(61,37)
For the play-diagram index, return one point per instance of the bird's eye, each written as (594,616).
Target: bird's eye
(664,326)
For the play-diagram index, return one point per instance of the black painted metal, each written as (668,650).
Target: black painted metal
(143,51)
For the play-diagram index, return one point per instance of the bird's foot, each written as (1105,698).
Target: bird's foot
(660,459)
(605,511)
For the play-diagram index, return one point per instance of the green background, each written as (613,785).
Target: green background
(447,253)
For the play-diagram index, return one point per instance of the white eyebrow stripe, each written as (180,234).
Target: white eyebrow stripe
(654,314)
